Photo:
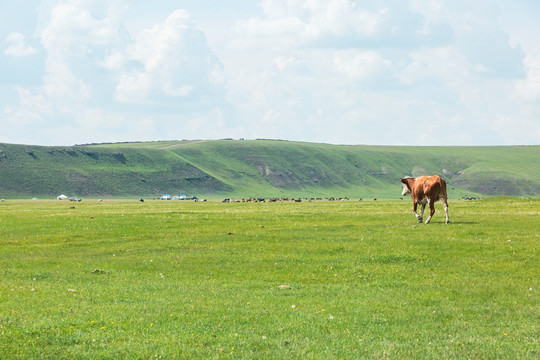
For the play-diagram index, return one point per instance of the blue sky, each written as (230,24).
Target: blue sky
(388,72)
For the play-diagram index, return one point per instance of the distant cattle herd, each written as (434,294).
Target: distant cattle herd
(277,199)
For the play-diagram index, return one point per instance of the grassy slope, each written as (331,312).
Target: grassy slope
(261,168)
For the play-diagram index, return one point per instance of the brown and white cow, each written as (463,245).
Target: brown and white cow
(426,190)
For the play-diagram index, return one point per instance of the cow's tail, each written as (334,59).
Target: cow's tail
(444,194)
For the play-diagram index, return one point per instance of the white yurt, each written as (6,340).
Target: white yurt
(62,197)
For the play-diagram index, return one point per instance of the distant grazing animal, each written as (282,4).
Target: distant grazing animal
(426,190)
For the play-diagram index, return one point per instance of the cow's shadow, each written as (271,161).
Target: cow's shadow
(450,223)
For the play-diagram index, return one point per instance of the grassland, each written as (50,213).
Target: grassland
(123,279)
(262,168)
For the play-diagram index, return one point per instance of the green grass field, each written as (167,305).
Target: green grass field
(172,279)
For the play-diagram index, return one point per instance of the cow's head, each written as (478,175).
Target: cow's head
(406,182)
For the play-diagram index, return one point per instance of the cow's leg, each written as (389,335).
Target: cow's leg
(422,208)
(445,204)
(419,217)
(431,210)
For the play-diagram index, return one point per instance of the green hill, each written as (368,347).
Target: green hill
(261,168)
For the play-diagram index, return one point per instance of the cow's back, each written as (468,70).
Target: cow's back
(432,187)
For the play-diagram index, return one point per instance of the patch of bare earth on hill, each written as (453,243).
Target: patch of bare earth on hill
(277,178)
(289,179)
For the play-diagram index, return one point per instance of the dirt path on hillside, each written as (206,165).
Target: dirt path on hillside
(185,143)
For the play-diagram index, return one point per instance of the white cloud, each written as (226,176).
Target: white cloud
(297,22)
(181,91)
(76,43)
(175,61)
(528,89)
(444,64)
(86,53)
(433,12)
(133,88)
(72,29)
(18,46)
(31,110)
(361,65)
(516,128)
(113,61)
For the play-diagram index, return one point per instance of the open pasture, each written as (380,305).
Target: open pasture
(170,279)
